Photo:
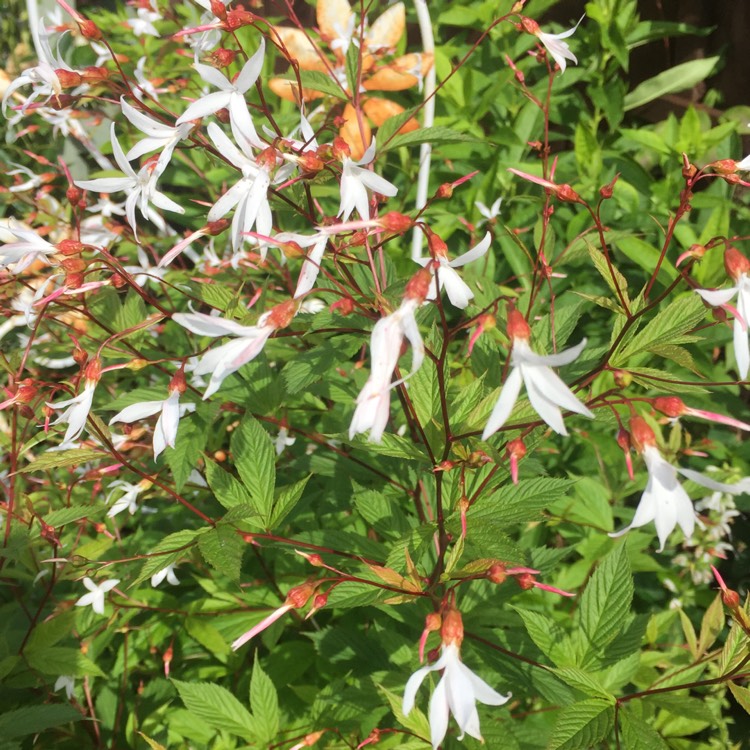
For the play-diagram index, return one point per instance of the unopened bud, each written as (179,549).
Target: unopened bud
(298,596)
(73,194)
(119,281)
(730,598)
(397,222)
(281,315)
(433,622)
(89,29)
(622,378)
(567,194)
(345,306)
(70,247)
(223,58)
(93,370)
(215,228)
(437,245)
(525,581)
(444,191)
(341,148)
(623,439)
(496,573)
(725,166)
(94,74)
(670,405)
(218,9)
(68,78)
(607,190)
(236,19)
(73,265)
(310,163)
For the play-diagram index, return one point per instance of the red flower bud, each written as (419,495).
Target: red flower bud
(735,263)
(641,434)
(670,405)
(517,327)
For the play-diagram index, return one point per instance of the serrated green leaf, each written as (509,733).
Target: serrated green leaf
(353,67)
(255,460)
(583,681)
(57,660)
(312,365)
(511,504)
(33,719)
(227,490)
(192,435)
(615,280)
(711,625)
(606,600)
(218,708)
(436,135)
(222,548)
(60,517)
(209,637)
(287,497)
(57,459)
(637,734)
(678,78)
(415,722)
(741,695)
(582,725)
(264,703)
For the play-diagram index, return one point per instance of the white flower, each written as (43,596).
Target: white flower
(721,297)
(65,681)
(95,597)
(374,400)
(248,344)
(76,411)
(354,184)
(231,95)
(744,164)
(140,187)
(559,50)
(170,412)
(665,502)
(488,213)
(128,500)
(158,136)
(457,693)
(144,22)
(547,393)
(457,289)
(167,573)
(27,248)
(249,196)
(283,440)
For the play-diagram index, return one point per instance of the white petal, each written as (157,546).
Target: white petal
(438,714)
(226,147)
(712,484)
(310,267)
(505,403)
(107,184)
(544,407)
(251,69)
(138,411)
(475,253)
(554,390)
(483,692)
(458,291)
(213,76)
(204,106)
(210,325)
(376,183)
(741,346)
(412,686)
(717,297)
(522,353)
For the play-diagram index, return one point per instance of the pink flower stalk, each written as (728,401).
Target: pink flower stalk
(674,407)
(295,599)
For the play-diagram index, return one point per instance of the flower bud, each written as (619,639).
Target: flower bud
(444,191)
(341,149)
(223,58)
(89,29)
(730,598)
(281,315)
(607,190)
(73,194)
(215,228)
(496,573)
(218,9)
(298,596)
(529,25)
(236,19)
(397,222)
(622,378)
(68,78)
(70,247)
(670,405)
(725,166)
(73,265)
(345,306)
(437,245)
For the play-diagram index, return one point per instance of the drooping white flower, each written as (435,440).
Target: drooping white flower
(128,500)
(95,597)
(77,408)
(665,501)
(446,276)
(374,400)
(457,692)
(555,45)
(246,346)
(140,187)
(355,181)
(249,196)
(170,412)
(168,573)
(547,393)
(738,268)
(231,95)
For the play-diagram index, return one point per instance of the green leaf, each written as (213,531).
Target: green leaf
(741,695)
(436,135)
(222,548)
(264,703)
(678,78)
(669,325)
(57,660)
(167,551)
(392,125)
(586,683)
(711,625)
(391,445)
(606,600)
(353,67)
(73,513)
(647,256)
(218,708)
(56,459)
(51,631)
(286,499)
(415,722)
(310,366)
(314,79)
(227,490)
(613,278)
(209,637)
(512,504)
(637,734)
(192,435)
(33,719)
(255,459)
(582,726)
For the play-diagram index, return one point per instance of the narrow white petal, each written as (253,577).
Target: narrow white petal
(712,484)
(544,407)
(213,76)
(522,353)
(251,69)
(505,403)
(554,390)
(741,346)
(204,106)
(376,183)
(210,325)
(412,686)
(717,297)
(138,411)
(438,714)
(475,253)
